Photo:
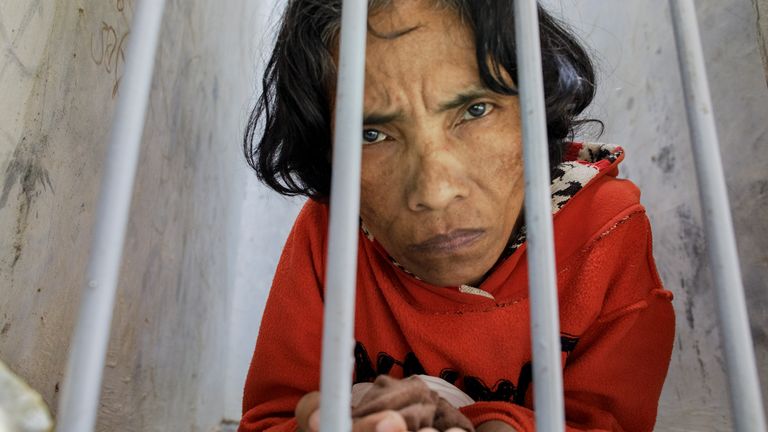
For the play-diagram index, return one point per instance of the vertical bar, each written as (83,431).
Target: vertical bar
(736,339)
(82,381)
(545,324)
(341,268)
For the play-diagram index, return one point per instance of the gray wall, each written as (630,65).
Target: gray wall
(60,69)
(640,100)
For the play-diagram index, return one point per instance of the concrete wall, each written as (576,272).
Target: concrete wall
(641,102)
(60,71)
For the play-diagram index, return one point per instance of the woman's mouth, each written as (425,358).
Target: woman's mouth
(451,242)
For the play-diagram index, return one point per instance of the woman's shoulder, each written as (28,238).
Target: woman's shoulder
(312,220)
(309,234)
(588,196)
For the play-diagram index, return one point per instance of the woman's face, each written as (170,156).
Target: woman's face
(442,178)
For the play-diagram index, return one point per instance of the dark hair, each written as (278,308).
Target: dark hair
(292,152)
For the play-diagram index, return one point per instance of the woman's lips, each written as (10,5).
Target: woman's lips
(448,243)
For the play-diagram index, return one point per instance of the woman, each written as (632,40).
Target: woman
(442,274)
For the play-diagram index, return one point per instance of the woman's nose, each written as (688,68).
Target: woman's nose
(438,180)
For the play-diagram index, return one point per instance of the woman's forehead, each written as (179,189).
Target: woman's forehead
(394,19)
(414,32)
(434,61)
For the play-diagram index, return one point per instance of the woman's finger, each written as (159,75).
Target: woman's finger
(419,416)
(384,421)
(308,413)
(390,393)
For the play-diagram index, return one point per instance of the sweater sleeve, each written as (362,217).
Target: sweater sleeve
(613,379)
(286,361)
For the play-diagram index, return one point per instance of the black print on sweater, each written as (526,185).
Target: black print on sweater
(366,372)
(504,390)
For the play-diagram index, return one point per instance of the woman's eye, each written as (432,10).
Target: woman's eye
(371,136)
(476,111)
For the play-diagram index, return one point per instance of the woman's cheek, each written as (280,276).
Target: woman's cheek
(375,194)
(367,201)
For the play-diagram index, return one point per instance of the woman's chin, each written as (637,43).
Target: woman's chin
(451,277)
(455,270)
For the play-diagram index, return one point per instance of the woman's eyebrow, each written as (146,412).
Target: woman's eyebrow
(373,119)
(463,98)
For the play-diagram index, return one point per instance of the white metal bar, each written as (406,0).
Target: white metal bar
(545,323)
(736,338)
(82,382)
(341,267)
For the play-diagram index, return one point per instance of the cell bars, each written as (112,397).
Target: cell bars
(736,339)
(542,282)
(343,226)
(82,381)
(79,401)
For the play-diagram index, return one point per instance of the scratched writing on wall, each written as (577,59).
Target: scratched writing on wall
(108,42)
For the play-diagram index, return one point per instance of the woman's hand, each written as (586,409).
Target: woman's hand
(308,418)
(391,405)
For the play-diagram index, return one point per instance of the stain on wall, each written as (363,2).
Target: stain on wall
(641,101)
(761,11)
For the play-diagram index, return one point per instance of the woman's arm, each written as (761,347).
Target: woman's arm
(286,361)
(281,388)
(495,426)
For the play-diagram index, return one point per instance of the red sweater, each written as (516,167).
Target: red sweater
(617,322)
